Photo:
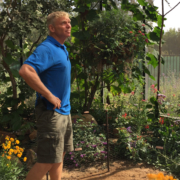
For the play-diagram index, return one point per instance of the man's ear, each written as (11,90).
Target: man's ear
(51,28)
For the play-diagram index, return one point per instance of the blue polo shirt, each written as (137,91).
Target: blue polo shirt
(51,62)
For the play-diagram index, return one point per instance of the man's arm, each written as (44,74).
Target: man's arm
(30,76)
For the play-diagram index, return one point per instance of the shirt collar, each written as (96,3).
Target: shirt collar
(54,41)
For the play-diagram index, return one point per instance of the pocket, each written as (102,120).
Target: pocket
(49,145)
(43,145)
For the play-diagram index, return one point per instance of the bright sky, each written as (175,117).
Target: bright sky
(173,17)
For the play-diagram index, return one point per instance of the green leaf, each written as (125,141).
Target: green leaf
(142,2)
(10,44)
(138,16)
(6,118)
(149,106)
(83,35)
(153,100)
(153,60)
(81,9)
(15,73)
(157,30)
(150,116)
(74,21)
(92,15)
(153,36)
(8,59)
(159,20)
(162,60)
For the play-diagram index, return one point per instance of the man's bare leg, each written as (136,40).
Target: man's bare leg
(38,171)
(56,171)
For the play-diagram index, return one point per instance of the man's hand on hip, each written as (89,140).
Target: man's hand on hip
(55,101)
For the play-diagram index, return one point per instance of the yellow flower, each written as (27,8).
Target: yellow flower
(17,142)
(5,147)
(171,178)
(8,146)
(151,176)
(17,147)
(11,139)
(7,165)
(25,159)
(8,157)
(15,151)
(9,152)
(21,149)
(19,155)
(2,155)
(9,142)
(7,138)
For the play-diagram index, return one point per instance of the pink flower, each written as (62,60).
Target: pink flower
(146,40)
(143,24)
(174,95)
(168,114)
(144,100)
(142,34)
(132,92)
(155,90)
(135,35)
(152,86)
(130,32)
(139,31)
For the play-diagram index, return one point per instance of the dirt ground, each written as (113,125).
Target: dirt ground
(119,170)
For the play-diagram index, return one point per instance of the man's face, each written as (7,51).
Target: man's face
(62,27)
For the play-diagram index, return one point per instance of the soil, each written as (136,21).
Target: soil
(119,170)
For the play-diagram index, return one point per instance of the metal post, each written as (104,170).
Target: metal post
(20,42)
(144,75)
(47,175)
(107,137)
(102,84)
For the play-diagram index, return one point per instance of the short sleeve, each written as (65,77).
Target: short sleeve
(41,59)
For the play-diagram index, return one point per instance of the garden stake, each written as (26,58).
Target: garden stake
(107,126)
(47,175)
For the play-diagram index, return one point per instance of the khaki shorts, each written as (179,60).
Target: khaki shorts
(54,134)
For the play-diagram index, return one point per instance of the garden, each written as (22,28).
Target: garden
(113,120)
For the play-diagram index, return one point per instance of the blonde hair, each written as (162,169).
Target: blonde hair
(51,17)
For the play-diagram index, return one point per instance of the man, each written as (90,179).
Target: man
(48,72)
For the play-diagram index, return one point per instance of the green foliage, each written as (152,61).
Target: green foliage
(10,169)
(111,42)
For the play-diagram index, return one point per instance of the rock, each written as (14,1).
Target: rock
(3,135)
(85,117)
(33,135)
(31,158)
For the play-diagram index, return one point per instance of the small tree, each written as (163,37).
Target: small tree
(102,40)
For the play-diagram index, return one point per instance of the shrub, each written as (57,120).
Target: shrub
(9,157)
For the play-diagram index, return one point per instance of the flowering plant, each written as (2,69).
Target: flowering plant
(159,176)
(92,141)
(10,167)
